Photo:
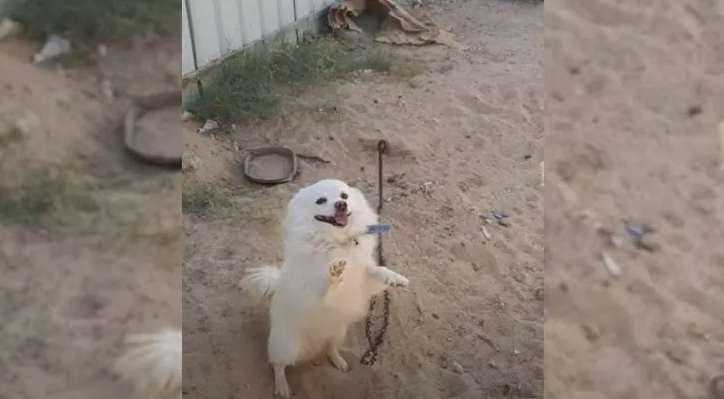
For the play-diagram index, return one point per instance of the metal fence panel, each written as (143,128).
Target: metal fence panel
(214,28)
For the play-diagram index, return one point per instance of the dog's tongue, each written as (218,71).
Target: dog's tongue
(340,218)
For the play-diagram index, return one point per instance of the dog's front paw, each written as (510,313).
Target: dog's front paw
(396,280)
(336,268)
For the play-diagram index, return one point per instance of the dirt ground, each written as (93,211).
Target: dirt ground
(634,93)
(70,291)
(471,325)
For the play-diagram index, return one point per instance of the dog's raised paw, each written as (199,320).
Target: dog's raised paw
(397,281)
(336,268)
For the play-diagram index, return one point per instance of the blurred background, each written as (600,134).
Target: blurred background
(89,230)
(634,200)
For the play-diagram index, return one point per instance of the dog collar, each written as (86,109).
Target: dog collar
(373,229)
(377,228)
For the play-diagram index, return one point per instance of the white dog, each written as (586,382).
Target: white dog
(327,279)
(152,363)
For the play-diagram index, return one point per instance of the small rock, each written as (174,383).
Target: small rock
(186,116)
(492,364)
(28,123)
(647,245)
(9,28)
(173,73)
(590,332)
(610,264)
(457,368)
(616,240)
(209,126)
(419,307)
(486,233)
(694,110)
(416,82)
(102,50)
(53,48)
(107,89)
(678,354)
(516,352)
(60,70)
(190,164)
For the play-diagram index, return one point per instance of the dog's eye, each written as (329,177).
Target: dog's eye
(321,201)
(344,196)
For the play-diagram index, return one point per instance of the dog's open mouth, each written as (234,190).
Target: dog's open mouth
(339,219)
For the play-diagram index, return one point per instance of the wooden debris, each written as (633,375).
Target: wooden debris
(610,264)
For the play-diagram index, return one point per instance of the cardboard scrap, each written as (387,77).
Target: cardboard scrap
(397,25)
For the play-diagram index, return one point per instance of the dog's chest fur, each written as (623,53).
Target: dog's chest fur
(306,294)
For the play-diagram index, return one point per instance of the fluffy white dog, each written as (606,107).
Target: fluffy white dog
(327,280)
(152,363)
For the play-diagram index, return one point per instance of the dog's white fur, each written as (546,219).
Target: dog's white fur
(325,283)
(152,363)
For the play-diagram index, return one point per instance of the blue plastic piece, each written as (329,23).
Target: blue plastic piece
(378,228)
(636,229)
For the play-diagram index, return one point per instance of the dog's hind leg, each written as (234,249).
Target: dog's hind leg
(283,351)
(333,351)
(281,385)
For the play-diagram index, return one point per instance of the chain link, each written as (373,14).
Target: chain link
(370,356)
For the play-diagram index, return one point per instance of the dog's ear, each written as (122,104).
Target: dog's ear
(356,191)
(359,196)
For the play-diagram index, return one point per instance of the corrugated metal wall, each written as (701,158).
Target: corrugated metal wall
(213,28)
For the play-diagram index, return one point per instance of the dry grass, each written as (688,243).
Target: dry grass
(94,21)
(253,84)
(42,194)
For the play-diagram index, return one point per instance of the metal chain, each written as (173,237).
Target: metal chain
(370,356)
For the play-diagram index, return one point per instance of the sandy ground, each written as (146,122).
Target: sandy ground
(634,93)
(69,292)
(470,326)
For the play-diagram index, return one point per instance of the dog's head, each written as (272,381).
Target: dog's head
(330,210)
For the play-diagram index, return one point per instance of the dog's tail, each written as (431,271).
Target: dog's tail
(260,282)
(152,363)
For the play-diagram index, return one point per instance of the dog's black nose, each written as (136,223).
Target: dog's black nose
(340,206)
